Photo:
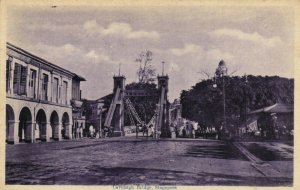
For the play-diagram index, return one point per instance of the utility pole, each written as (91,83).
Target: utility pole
(221,71)
(246,81)
(224,102)
(99,113)
(163,67)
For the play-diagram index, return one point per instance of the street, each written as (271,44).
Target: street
(128,160)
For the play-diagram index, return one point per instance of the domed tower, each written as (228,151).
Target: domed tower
(222,69)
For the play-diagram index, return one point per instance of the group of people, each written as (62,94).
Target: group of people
(145,130)
(186,130)
(77,132)
(105,132)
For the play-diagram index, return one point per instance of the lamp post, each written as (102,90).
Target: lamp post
(221,71)
(245,95)
(100,119)
(144,123)
(224,102)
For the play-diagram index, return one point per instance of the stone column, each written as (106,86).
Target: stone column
(57,131)
(48,129)
(68,131)
(29,134)
(43,131)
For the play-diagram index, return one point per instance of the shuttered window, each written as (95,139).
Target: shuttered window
(32,84)
(17,74)
(20,78)
(8,75)
(45,87)
(55,90)
(23,80)
(64,92)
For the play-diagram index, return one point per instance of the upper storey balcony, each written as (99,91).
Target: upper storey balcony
(31,78)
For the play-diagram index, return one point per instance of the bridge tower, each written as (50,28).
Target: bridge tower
(162,122)
(115,115)
(118,120)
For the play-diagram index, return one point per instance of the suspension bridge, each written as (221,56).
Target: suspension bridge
(159,123)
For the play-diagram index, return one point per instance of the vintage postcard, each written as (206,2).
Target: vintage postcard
(149,95)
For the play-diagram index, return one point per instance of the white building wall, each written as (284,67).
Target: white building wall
(18,102)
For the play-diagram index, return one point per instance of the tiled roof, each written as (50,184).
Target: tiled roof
(276,108)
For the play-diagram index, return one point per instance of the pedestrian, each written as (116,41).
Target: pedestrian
(91,129)
(184,132)
(81,132)
(145,130)
(75,132)
(78,132)
(151,131)
(105,132)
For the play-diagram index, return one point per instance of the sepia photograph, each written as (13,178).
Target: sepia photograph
(131,95)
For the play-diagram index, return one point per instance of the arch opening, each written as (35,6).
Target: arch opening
(10,122)
(41,126)
(25,125)
(65,126)
(54,122)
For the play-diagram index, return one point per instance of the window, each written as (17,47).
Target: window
(64,92)
(45,87)
(75,90)
(8,75)
(32,84)
(20,77)
(55,90)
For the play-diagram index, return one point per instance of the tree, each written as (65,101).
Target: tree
(144,105)
(146,72)
(203,103)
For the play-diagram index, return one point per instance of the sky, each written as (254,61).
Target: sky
(93,41)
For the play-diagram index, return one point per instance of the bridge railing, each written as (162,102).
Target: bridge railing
(112,108)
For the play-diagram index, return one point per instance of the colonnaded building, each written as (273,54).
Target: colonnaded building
(42,99)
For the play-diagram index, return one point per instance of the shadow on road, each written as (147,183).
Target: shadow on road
(221,150)
(96,175)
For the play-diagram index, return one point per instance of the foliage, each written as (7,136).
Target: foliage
(204,104)
(144,106)
(146,73)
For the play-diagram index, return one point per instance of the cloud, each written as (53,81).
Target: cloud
(119,28)
(187,49)
(52,27)
(250,37)
(173,67)
(197,51)
(92,26)
(69,48)
(97,57)
(60,51)
(216,53)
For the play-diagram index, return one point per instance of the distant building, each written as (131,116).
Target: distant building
(175,111)
(77,110)
(99,109)
(96,117)
(38,98)
(275,121)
